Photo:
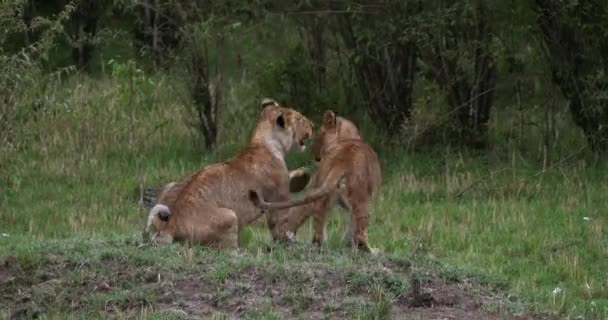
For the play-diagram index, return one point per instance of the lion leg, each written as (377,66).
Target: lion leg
(230,238)
(320,219)
(348,235)
(219,228)
(344,203)
(360,217)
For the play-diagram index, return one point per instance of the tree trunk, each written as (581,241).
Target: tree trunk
(470,94)
(156,34)
(589,119)
(317,49)
(84,29)
(29,11)
(385,76)
(479,97)
(205,95)
(156,29)
(573,60)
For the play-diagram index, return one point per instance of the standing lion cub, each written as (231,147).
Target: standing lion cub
(348,174)
(210,205)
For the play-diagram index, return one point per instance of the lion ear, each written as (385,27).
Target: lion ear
(329,119)
(269,106)
(269,102)
(281,121)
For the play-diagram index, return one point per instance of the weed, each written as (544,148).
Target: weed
(379,309)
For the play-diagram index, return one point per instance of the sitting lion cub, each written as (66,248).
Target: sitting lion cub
(348,174)
(210,205)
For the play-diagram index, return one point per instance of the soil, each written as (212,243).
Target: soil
(322,292)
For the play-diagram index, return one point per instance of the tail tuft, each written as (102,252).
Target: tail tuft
(160,210)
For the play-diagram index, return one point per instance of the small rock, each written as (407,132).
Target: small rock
(102,286)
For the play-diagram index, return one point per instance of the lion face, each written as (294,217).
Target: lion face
(290,129)
(279,227)
(301,129)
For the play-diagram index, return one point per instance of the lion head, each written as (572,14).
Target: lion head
(333,129)
(282,128)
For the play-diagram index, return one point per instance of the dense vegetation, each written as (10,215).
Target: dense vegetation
(490,119)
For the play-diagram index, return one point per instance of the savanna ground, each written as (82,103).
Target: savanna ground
(517,230)
(462,235)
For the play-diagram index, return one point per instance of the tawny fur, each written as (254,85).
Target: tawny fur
(209,206)
(348,174)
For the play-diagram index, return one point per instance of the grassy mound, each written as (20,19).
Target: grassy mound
(122,278)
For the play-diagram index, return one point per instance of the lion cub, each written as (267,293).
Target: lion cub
(348,174)
(209,206)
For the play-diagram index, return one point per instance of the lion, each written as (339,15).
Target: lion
(348,174)
(210,206)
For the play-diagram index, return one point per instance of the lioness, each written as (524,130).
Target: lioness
(209,206)
(349,174)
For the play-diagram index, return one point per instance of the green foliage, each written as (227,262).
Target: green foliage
(203,85)
(292,79)
(134,86)
(383,60)
(22,80)
(75,148)
(578,62)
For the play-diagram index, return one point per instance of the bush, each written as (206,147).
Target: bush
(292,79)
(22,80)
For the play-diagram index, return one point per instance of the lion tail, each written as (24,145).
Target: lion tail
(312,195)
(161,211)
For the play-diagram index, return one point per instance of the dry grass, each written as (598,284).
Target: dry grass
(79,163)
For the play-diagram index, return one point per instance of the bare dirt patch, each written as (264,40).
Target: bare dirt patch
(8,265)
(325,294)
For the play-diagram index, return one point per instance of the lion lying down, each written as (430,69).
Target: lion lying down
(209,206)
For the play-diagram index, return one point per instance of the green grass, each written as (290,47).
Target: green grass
(121,277)
(496,217)
(530,230)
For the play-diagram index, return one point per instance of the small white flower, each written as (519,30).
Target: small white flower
(586,218)
(5,235)
(557,290)
(290,235)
